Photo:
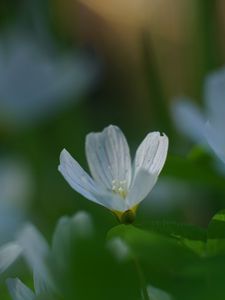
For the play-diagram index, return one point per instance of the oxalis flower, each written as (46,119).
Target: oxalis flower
(205,126)
(115,183)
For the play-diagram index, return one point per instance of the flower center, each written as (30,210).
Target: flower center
(120,187)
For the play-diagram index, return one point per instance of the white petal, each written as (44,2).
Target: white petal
(77,178)
(151,154)
(19,291)
(111,201)
(66,233)
(215,140)
(215,95)
(188,119)
(142,185)
(35,251)
(8,254)
(41,286)
(108,156)
(85,185)
(82,221)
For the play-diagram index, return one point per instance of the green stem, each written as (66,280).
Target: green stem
(142,280)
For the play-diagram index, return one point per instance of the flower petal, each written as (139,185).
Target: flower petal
(142,184)
(41,286)
(215,140)
(8,254)
(119,249)
(108,156)
(35,247)
(214,91)
(151,154)
(85,185)
(111,201)
(77,178)
(19,291)
(188,119)
(35,251)
(66,232)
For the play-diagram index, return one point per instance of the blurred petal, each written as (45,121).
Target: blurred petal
(152,153)
(142,185)
(157,294)
(77,178)
(66,233)
(35,250)
(119,249)
(188,119)
(215,140)
(41,286)
(19,291)
(215,96)
(108,156)
(8,254)
(83,224)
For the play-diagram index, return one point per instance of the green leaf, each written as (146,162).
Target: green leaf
(216,235)
(177,230)
(191,236)
(169,265)
(196,171)
(91,271)
(156,252)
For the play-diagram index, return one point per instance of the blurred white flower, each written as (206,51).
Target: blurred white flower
(37,252)
(115,184)
(35,84)
(20,291)
(205,127)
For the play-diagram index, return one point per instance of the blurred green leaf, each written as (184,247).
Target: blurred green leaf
(177,230)
(216,234)
(92,272)
(169,265)
(157,253)
(191,236)
(195,171)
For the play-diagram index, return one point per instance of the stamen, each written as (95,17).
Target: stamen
(119,187)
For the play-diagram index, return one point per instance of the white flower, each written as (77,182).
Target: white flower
(115,184)
(205,127)
(36,83)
